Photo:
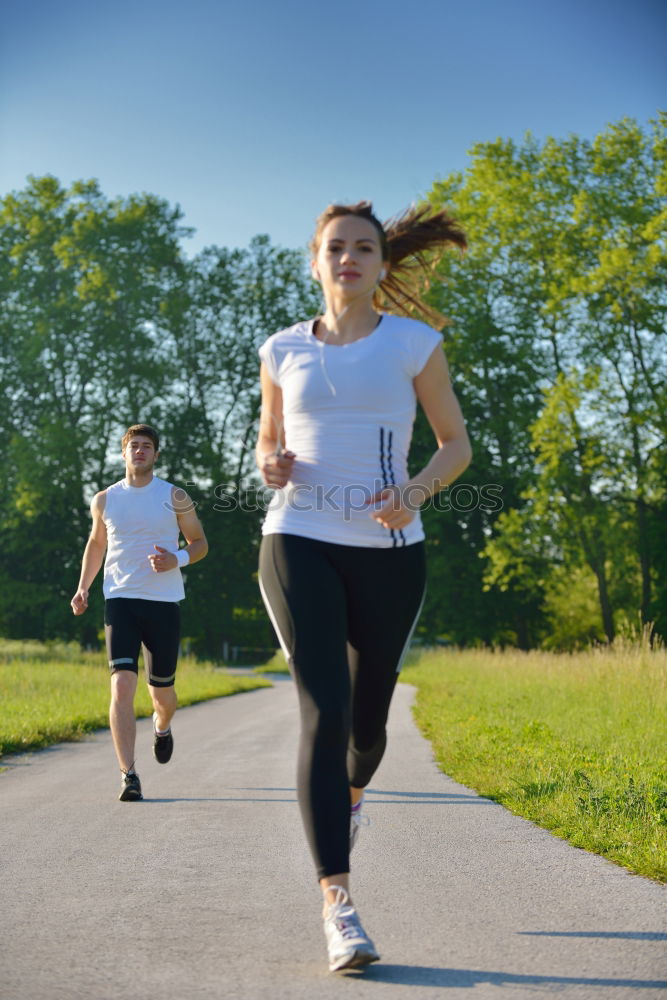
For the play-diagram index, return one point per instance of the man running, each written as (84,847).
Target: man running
(137,523)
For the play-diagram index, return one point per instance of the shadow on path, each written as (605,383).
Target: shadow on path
(631,935)
(210,798)
(402,798)
(421,975)
(428,798)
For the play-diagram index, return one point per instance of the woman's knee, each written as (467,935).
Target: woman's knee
(363,759)
(329,721)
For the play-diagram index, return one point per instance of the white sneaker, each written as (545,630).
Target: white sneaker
(349,945)
(357,820)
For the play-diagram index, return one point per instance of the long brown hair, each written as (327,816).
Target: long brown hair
(409,244)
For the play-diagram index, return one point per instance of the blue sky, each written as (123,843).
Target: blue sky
(254,115)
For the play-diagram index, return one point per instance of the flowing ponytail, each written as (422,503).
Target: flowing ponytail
(411,244)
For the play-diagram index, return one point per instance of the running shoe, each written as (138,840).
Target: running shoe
(348,943)
(163,745)
(357,820)
(130,789)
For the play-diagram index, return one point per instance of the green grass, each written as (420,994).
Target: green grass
(276,665)
(32,649)
(575,743)
(51,693)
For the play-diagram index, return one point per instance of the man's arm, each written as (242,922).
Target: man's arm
(190,527)
(93,555)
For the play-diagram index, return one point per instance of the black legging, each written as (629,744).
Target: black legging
(344,617)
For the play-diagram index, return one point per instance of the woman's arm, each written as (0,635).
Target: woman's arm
(274,463)
(436,396)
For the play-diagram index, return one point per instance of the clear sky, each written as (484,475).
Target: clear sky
(255,114)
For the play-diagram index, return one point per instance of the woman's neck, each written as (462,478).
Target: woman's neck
(343,322)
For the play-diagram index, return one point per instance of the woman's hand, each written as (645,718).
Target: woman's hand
(397,509)
(276,468)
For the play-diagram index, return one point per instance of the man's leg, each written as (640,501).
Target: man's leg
(165,703)
(161,634)
(121,716)
(123,643)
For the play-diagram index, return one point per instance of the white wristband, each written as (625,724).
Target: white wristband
(183,557)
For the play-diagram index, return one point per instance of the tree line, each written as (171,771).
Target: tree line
(557,534)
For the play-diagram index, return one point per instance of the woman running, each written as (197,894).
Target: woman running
(342,568)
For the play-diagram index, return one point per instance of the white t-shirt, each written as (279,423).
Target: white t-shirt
(137,518)
(348,411)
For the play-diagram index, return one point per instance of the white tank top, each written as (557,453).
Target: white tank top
(348,412)
(137,518)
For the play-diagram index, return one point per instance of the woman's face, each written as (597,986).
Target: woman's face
(349,259)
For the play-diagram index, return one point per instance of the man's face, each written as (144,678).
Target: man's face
(139,454)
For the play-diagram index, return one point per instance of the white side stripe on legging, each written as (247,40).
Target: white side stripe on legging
(411,633)
(283,644)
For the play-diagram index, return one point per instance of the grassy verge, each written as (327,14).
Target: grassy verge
(575,743)
(276,665)
(51,693)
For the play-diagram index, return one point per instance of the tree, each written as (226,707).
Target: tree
(621,221)
(232,301)
(564,279)
(85,280)
(556,344)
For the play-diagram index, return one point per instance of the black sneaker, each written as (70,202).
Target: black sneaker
(163,745)
(130,789)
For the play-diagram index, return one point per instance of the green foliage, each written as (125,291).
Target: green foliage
(106,324)
(556,345)
(276,665)
(572,608)
(84,281)
(232,301)
(557,341)
(573,743)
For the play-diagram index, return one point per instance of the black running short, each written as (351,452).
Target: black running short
(131,621)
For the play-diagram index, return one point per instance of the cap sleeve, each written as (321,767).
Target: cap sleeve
(424,339)
(267,355)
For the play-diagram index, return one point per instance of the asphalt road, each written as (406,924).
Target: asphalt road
(206,890)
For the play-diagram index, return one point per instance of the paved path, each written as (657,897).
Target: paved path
(205,891)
